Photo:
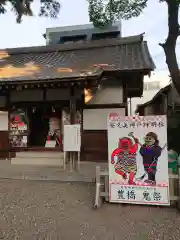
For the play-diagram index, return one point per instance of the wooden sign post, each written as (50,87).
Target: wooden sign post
(72,144)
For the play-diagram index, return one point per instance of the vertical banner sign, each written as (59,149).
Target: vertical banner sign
(138,159)
(72,138)
(18,128)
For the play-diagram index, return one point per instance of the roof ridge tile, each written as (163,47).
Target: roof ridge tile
(75,46)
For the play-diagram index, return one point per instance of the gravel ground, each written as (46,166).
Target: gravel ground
(52,210)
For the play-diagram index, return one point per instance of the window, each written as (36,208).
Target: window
(106,35)
(72,39)
(151,86)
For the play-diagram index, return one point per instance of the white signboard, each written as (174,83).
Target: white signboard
(4,121)
(138,159)
(72,138)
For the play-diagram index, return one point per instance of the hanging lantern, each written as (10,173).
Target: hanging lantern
(88,95)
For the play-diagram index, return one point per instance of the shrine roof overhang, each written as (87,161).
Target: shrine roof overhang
(80,61)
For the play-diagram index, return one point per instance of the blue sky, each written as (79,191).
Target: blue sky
(153,22)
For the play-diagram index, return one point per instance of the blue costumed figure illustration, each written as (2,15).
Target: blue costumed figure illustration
(150,152)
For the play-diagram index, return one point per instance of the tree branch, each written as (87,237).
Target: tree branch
(162,45)
(173,11)
(170,44)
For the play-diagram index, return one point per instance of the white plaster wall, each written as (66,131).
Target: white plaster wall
(96,119)
(108,95)
(3,121)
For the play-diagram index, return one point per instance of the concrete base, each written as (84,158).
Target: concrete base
(39,158)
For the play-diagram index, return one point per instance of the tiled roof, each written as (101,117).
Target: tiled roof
(73,60)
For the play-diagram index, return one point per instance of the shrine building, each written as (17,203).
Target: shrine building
(77,79)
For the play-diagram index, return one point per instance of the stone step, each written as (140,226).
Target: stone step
(45,154)
(38,161)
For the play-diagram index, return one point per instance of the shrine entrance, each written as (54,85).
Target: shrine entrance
(38,127)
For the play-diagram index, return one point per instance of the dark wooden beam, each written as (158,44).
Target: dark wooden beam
(44,94)
(61,103)
(81,108)
(98,106)
(125,98)
(90,80)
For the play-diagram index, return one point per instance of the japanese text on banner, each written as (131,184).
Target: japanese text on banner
(136,124)
(139,194)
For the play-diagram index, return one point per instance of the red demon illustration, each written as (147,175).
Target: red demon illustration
(124,158)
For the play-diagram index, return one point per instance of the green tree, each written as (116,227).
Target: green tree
(105,12)
(48,8)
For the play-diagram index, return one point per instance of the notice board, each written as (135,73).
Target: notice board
(72,138)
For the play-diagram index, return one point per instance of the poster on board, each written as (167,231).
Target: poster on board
(138,159)
(18,141)
(18,122)
(72,138)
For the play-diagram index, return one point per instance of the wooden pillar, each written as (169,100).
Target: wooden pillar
(178,205)
(72,108)
(82,107)
(72,105)
(125,98)
(8,103)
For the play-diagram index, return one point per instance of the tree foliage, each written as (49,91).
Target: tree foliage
(104,12)
(48,8)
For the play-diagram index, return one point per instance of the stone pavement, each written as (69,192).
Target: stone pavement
(57,209)
(29,172)
(44,210)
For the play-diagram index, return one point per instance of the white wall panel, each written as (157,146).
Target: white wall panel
(96,119)
(108,95)
(3,121)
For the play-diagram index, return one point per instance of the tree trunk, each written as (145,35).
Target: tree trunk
(170,45)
